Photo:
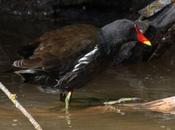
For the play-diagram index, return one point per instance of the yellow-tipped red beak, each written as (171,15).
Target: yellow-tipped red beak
(148,43)
(141,38)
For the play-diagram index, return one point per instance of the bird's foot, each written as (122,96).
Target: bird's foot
(67,100)
(66,97)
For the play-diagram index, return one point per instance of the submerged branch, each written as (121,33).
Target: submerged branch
(12,97)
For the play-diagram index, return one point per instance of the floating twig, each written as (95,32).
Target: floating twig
(121,100)
(12,97)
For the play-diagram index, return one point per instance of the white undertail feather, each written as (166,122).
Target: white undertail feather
(28,63)
(18,63)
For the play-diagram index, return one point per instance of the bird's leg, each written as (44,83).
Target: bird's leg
(67,100)
(66,97)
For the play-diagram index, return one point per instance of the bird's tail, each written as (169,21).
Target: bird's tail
(28,63)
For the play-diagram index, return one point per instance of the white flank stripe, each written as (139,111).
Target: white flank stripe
(86,59)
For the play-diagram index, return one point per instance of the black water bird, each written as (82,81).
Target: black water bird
(74,52)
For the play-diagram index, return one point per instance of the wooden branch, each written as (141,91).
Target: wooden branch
(12,97)
(165,105)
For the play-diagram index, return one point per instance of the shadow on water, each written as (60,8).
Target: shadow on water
(147,81)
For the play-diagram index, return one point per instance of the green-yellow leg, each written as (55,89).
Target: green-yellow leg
(67,100)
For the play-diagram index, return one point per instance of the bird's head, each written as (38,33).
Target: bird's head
(122,31)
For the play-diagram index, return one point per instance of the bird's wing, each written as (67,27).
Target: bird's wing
(59,47)
(79,71)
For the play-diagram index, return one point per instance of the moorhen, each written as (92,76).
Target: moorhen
(74,51)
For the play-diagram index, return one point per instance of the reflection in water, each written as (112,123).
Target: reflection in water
(68,119)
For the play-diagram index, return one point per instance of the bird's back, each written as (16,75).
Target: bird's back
(61,47)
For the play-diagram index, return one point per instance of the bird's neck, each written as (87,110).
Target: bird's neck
(112,39)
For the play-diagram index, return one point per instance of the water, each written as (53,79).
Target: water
(148,81)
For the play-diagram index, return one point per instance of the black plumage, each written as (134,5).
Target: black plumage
(74,52)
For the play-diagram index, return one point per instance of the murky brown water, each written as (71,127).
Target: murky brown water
(147,81)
